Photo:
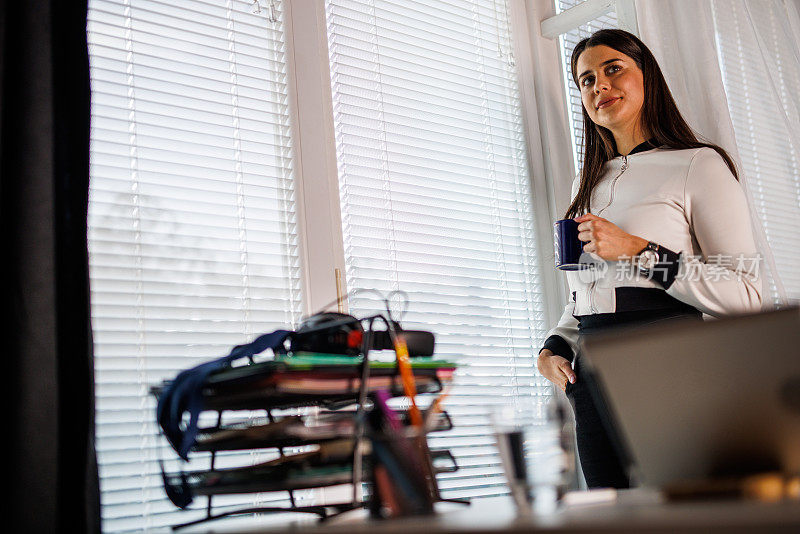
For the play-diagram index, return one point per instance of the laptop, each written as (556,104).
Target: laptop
(691,400)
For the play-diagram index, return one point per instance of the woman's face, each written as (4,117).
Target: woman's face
(605,73)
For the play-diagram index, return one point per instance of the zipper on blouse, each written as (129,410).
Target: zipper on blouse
(593,283)
(614,183)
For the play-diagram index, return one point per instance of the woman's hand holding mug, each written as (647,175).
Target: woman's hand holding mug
(555,368)
(605,239)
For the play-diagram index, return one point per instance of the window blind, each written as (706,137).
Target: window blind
(567,42)
(771,163)
(435,199)
(192,234)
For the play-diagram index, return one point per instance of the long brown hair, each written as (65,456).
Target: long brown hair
(660,116)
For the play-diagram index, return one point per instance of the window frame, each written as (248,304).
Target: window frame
(316,177)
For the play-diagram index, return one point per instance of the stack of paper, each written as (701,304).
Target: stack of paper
(306,379)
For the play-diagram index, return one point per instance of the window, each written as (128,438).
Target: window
(435,199)
(192,232)
(204,219)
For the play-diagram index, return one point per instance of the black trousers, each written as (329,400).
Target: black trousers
(602,459)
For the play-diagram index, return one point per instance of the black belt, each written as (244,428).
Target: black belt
(637,305)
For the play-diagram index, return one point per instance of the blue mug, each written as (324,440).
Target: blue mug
(567,246)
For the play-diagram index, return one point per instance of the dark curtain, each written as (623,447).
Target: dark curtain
(47,349)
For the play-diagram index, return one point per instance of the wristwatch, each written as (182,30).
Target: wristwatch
(648,257)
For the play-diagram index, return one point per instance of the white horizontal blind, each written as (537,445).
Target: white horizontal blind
(435,199)
(192,233)
(771,163)
(567,42)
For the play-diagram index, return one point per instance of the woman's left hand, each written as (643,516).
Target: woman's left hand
(606,239)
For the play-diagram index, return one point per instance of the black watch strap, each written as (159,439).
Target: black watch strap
(666,269)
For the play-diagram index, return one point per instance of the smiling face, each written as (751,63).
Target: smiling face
(605,73)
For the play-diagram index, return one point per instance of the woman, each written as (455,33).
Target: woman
(663,210)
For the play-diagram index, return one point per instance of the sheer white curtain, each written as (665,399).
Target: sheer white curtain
(685,39)
(758,45)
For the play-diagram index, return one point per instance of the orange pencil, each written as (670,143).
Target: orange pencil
(407,375)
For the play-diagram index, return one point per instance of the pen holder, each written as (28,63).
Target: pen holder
(403,475)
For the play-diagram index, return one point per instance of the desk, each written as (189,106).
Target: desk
(630,513)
